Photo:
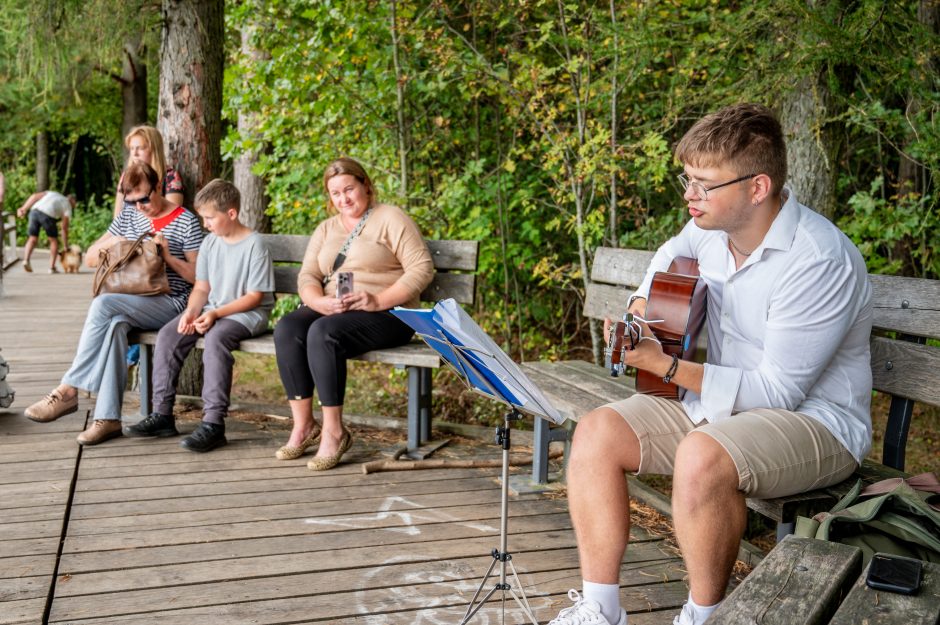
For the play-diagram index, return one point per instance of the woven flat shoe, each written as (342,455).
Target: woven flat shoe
(287,452)
(328,462)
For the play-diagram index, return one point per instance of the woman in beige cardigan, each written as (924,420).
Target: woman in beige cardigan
(382,250)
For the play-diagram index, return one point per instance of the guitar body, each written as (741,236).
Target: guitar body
(678,298)
(676,310)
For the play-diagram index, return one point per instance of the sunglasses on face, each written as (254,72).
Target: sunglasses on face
(132,203)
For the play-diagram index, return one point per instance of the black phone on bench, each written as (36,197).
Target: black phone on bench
(894,573)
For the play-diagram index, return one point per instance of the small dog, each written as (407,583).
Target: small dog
(71,259)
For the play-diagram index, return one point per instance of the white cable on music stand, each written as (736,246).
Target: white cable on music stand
(484,368)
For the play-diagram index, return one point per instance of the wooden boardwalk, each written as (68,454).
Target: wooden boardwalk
(142,531)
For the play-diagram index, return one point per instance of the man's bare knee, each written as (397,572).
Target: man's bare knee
(703,466)
(602,436)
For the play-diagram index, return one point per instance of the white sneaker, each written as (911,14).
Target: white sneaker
(686,617)
(584,612)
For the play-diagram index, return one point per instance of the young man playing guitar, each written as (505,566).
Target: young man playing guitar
(782,404)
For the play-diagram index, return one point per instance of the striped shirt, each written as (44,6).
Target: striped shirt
(184,234)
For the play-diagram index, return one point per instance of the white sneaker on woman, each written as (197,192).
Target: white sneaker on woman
(584,612)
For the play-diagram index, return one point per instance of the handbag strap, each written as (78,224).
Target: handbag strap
(104,261)
(341,256)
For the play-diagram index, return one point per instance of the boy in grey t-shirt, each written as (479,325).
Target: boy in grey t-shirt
(231,301)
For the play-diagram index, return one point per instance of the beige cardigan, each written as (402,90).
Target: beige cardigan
(389,250)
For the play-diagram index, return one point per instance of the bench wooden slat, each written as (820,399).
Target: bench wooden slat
(603,300)
(448,255)
(460,286)
(620,265)
(908,305)
(570,400)
(865,605)
(415,354)
(912,372)
(286,248)
(801,581)
(454,255)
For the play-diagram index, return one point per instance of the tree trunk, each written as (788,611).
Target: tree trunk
(612,202)
(254,198)
(42,161)
(189,114)
(811,144)
(133,88)
(400,108)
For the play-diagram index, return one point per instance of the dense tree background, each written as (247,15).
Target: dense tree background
(542,128)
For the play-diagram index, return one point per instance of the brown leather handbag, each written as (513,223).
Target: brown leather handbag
(131,267)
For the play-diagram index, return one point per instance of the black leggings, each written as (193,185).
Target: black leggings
(312,348)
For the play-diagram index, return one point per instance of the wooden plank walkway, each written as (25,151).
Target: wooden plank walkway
(142,531)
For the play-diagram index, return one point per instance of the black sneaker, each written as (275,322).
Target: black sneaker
(155,425)
(204,438)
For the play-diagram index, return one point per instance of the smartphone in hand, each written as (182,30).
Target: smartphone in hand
(344,283)
(894,573)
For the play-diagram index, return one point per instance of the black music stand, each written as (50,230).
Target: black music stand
(486,369)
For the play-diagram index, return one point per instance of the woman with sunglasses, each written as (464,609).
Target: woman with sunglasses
(99,364)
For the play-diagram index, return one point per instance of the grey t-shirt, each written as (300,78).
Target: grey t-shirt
(234,269)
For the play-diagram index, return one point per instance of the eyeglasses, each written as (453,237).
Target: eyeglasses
(701,191)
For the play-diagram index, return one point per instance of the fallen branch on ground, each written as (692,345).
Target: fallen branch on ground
(414,465)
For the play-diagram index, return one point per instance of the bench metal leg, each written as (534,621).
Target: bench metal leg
(544,435)
(419,406)
(144,369)
(784,530)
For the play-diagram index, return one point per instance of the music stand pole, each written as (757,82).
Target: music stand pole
(502,555)
(460,359)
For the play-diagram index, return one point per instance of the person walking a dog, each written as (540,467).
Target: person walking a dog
(46,209)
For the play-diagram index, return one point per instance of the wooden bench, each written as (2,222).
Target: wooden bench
(805,581)
(455,263)
(906,313)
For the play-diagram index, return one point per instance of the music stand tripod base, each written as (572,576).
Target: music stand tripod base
(502,555)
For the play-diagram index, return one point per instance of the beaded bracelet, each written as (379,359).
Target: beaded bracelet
(672,370)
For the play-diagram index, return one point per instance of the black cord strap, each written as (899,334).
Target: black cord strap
(672,370)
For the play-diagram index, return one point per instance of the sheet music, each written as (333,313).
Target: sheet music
(449,328)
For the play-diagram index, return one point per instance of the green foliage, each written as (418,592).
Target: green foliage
(507,123)
(91,220)
(890,230)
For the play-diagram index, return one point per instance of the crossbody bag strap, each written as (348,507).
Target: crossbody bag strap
(341,256)
(104,259)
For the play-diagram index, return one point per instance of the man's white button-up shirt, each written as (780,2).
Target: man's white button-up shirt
(789,329)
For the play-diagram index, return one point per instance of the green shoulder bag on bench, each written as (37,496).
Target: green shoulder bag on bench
(892,516)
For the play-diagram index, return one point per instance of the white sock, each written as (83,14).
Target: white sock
(700,613)
(607,595)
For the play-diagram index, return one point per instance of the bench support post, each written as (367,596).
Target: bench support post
(899,422)
(144,373)
(544,435)
(419,406)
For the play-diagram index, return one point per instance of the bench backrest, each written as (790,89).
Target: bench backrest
(906,314)
(450,257)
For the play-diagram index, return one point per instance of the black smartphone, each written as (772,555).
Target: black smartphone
(894,573)
(344,283)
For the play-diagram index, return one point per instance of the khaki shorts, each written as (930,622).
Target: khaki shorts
(776,452)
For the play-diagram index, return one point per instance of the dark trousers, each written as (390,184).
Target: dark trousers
(312,348)
(217,361)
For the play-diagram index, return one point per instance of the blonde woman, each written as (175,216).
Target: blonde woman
(381,248)
(145,144)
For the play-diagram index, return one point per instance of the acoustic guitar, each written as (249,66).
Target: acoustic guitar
(675,312)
